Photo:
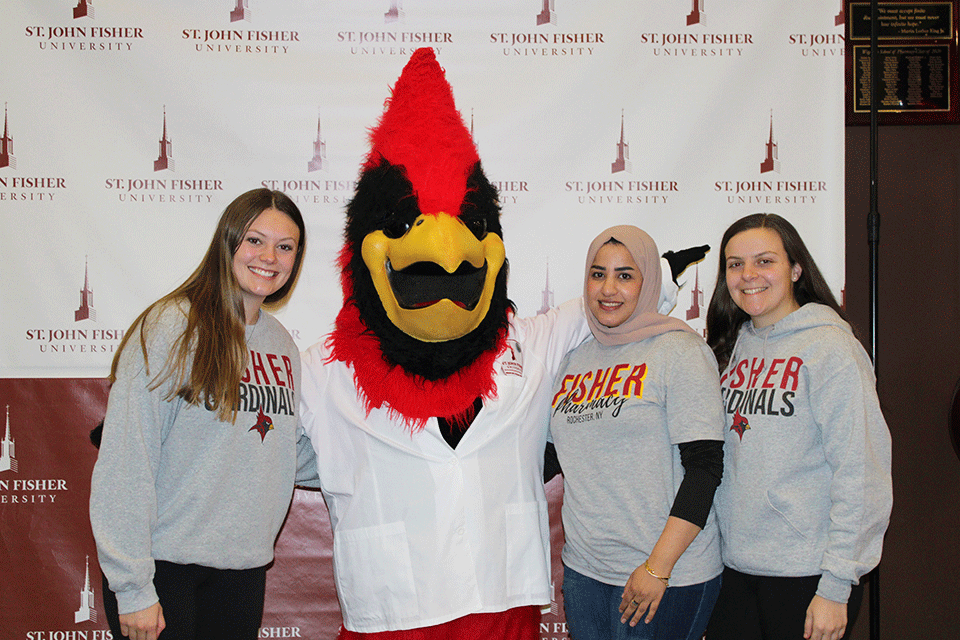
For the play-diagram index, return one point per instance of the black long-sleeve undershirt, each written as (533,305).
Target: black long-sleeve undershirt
(702,462)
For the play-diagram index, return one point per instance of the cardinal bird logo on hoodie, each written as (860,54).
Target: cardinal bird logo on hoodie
(740,424)
(264,424)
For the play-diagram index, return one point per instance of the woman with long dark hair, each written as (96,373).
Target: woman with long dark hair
(199,447)
(806,496)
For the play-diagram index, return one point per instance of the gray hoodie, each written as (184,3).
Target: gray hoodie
(172,482)
(806,487)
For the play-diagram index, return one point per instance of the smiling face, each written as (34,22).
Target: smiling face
(265,258)
(613,285)
(760,277)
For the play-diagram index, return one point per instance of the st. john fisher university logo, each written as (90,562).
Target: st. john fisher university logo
(772,161)
(7,158)
(622,163)
(84,9)
(548,14)
(395,12)
(319,159)
(165,159)
(87,612)
(240,12)
(8,460)
(86,310)
(696,13)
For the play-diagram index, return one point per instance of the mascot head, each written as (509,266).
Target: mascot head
(423,267)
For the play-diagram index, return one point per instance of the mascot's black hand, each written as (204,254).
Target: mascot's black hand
(551,463)
(680,260)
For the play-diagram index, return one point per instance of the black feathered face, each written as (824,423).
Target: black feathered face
(430,277)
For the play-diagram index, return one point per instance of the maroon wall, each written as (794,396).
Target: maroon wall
(918,359)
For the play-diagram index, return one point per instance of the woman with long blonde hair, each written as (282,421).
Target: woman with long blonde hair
(199,447)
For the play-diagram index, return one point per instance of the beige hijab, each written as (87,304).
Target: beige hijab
(644,322)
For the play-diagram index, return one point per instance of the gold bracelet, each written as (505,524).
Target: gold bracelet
(665,581)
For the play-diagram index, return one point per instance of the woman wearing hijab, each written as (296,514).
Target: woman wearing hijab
(638,426)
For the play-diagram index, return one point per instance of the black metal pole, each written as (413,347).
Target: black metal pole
(873,238)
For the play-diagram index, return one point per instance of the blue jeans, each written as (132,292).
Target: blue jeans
(592,610)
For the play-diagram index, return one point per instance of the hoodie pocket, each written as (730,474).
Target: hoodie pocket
(803,508)
(789,511)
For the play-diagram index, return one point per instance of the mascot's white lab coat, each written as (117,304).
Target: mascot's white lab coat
(423,533)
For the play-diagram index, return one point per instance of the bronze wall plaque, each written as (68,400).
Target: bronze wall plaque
(918,75)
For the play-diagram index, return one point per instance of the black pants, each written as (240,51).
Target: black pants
(201,603)
(765,608)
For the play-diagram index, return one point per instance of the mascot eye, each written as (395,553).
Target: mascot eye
(394,227)
(477,226)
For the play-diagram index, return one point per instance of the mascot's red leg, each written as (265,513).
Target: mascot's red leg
(521,623)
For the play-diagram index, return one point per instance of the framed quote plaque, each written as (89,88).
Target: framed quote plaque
(918,74)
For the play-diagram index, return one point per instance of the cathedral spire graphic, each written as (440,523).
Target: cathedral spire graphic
(622,163)
(240,12)
(8,454)
(319,159)
(6,144)
(86,610)
(86,310)
(696,13)
(395,12)
(696,301)
(771,162)
(547,300)
(548,14)
(84,9)
(165,160)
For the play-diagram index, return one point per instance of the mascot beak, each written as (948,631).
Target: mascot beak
(437,280)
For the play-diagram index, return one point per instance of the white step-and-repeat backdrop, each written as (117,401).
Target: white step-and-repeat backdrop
(128,126)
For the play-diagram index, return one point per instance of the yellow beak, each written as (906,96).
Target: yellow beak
(437,280)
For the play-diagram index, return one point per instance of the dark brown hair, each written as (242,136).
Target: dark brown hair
(724,317)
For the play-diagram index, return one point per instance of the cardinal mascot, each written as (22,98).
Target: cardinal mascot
(428,404)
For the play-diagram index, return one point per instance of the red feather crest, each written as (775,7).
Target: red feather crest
(422,130)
